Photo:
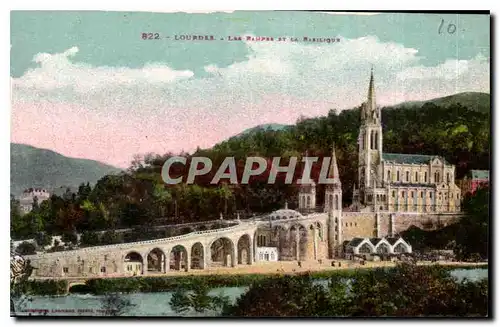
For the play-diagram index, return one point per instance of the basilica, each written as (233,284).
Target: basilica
(391,182)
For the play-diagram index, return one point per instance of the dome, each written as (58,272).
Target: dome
(285,214)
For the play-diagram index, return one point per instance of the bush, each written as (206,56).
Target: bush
(110,237)
(89,238)
(42,239)
(69,238)
(26,248)
(44,287)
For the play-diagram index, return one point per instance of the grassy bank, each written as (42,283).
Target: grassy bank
(171,283)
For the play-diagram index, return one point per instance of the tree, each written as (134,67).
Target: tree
(42,239)
(26,248)
(20,270)
(472,235)
(69,237)
(287,296)
(412,291)
(115,304)
(197,300)
(110,237)
(89,238)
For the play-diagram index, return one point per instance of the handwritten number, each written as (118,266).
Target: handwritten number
(451,29)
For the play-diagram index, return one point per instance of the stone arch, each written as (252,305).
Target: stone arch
(157,260)
(244,253)
(222,252)
(133,263)
(319,227)
(293,244)
(197,256)
(282,238)
(178,258)
(303,240)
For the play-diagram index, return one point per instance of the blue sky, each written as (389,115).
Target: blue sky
(91,77)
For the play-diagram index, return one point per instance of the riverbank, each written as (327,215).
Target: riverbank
(241,276)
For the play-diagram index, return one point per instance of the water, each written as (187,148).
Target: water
(156,304)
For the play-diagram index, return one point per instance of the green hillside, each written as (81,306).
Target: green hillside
(475,101)
(34,167)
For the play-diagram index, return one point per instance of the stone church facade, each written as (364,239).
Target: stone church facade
(399,182)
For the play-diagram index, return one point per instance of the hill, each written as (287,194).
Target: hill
(476,101)
(263,127)
(34,167)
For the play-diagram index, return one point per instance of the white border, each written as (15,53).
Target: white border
(189,6)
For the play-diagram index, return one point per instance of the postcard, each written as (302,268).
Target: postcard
(250,164)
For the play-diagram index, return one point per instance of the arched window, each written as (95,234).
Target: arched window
(425,177)
(393,194)
(308,201)
(388,175)
(372,139)
(336,202)
(376,141)
(416,176)
(407,176)
(422,194)
(330,201)
(448,177)
(397,176)
(437,177)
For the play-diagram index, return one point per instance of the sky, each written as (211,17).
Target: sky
(87,85)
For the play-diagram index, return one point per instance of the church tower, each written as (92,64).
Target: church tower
(369,145)
(333,206)
(307,191)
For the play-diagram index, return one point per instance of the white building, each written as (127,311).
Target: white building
(28,198)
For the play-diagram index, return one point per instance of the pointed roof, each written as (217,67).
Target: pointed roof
(333,171)
(371,89)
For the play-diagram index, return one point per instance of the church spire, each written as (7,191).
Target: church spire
(371,93)
(333,171)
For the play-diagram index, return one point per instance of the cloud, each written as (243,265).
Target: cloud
(56,71)
(157,108)
(449,70)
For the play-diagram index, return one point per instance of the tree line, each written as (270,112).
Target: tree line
(139,197)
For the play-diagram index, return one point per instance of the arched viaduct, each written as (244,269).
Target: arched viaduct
(296,237)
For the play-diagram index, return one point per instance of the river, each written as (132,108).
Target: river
(153,304)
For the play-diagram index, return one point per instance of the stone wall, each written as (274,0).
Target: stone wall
(358,224)
(402,222)
(364,224)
